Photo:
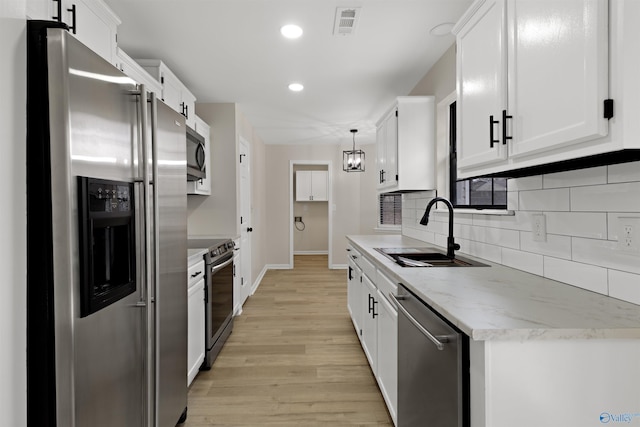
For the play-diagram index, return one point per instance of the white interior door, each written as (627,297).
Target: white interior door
(245,224)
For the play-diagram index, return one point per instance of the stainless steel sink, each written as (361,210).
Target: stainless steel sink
(426,257)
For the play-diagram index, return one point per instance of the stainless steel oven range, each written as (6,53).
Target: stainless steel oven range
(218,294)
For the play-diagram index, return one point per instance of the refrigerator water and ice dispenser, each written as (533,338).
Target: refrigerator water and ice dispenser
(107,243)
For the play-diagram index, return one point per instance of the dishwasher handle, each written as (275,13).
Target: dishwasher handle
(438,341)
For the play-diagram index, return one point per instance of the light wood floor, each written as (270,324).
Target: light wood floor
(293,359)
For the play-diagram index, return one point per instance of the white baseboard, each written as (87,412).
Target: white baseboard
(256,282)
(278,267)
(311,252)
(339,266)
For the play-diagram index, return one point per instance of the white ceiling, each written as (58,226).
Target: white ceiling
(232,51)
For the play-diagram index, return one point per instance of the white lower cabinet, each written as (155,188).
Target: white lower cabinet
(376,322)
(354,294)
(195,320)
(369,337)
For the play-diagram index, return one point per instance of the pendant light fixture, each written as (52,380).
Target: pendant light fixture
(353,160)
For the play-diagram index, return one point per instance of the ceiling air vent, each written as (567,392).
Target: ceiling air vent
(346,20)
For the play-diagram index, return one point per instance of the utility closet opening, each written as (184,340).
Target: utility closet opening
(310,209)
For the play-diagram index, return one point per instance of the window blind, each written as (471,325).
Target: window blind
(390,209)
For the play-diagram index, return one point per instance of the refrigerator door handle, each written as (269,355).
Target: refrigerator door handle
(146,293)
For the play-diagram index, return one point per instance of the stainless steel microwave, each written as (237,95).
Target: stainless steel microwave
(196,155)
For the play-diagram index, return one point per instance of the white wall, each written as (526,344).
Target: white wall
(13,245)
(349,196)
(581,207)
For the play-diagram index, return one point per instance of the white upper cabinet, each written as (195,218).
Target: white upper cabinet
(90,21)
(174,93)
(406,145)
(131,68)
(203,185)
(312,186)
(481,85)
(532,77)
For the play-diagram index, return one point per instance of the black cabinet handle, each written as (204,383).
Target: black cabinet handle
(373,309)
(370,303)
(491,123)
(196,274)
(382,176)
(73,18)
(59,9)
(350,273)
(186,109)
(504,127)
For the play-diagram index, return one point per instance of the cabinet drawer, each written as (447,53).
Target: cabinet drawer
(195,273)
(368,268)
(354,255)
(386,286)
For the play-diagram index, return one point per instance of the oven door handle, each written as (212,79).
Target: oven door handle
(217,268)
(438,341)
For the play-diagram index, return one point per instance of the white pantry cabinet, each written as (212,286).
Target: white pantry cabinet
(174,93)
(532,77)
(195,319)
(90,21)
(203,185)
(405,139)
(312,186)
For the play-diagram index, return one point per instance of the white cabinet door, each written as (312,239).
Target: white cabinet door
(312,186)
(203,185)
(94,24)
(482,86)
(406,145)
(532,79)
(354,295)
(195,328)
(188,106)
(369,322)
(387,353)
(558,73)
(320,185)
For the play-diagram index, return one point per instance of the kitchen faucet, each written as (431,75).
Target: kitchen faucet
(451,244)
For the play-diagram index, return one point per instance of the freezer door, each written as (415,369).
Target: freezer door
(100,358)
(169,150)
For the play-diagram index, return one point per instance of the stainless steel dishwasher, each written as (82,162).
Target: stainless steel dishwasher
(433,367)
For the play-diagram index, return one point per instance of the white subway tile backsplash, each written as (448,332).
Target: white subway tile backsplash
(575,178)
(579,224)
(624,172)
(525,261)
(582,208)
(604,253)
(613,222)
(492,253)
(527,183)
(545,200)
(584,276)
(625,286)
(512,201)
(555,246)
(607,198)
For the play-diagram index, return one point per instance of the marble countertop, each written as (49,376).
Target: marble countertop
(502,303)
(195,255)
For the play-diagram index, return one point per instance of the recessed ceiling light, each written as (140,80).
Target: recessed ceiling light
(443,29)
(291,31)
(295,87)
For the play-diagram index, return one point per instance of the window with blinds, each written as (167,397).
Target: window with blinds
(390,209)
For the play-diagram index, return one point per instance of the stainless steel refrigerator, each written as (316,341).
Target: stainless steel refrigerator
(107,234)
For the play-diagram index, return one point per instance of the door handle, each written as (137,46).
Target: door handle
(504,127)
(491,139)
(250,229)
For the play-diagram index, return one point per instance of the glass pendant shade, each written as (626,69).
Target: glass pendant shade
(353,160)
